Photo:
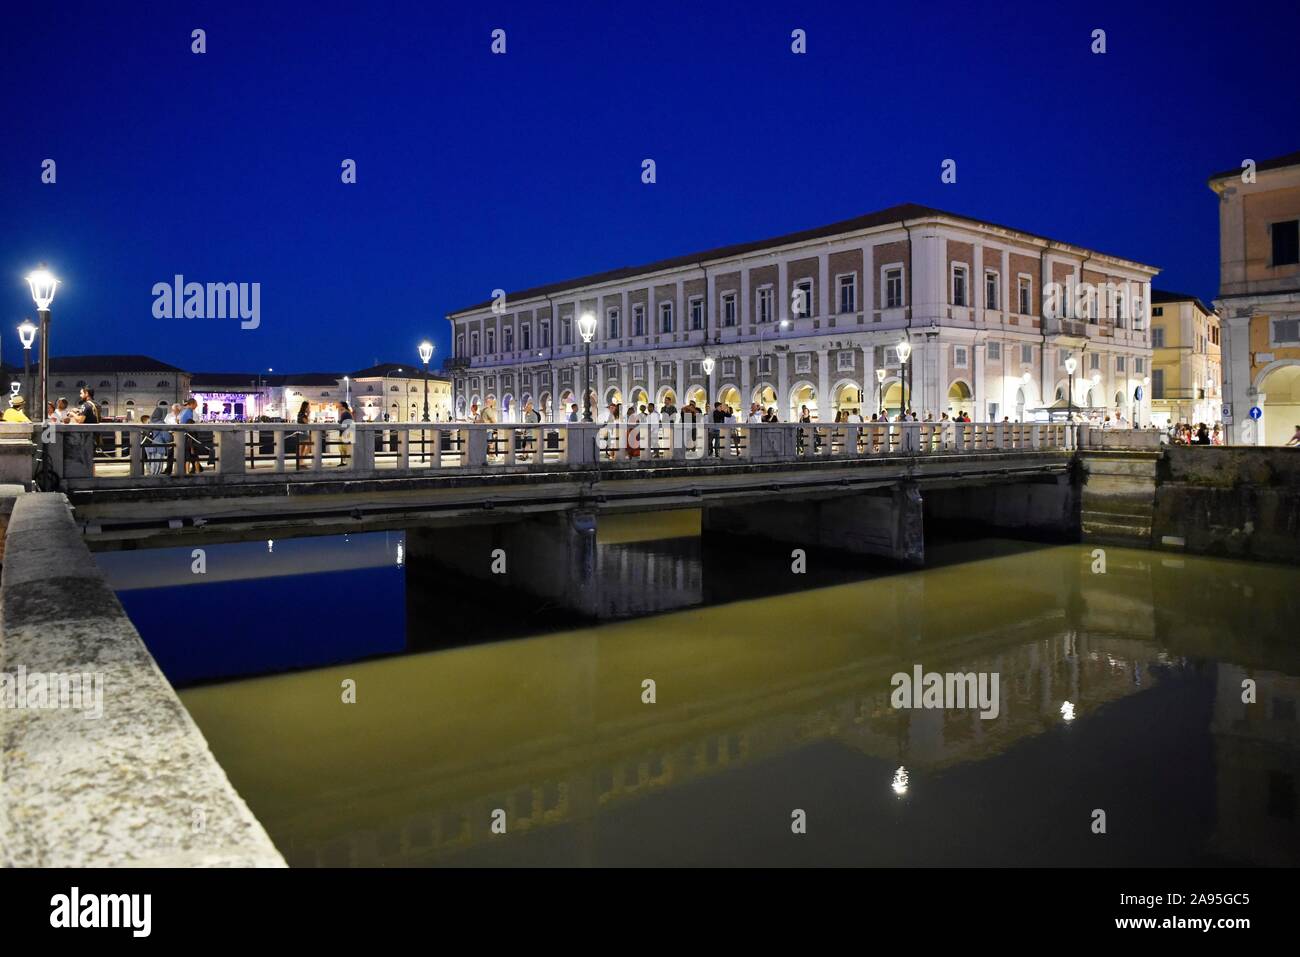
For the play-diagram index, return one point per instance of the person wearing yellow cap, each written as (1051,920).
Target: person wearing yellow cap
(15,411)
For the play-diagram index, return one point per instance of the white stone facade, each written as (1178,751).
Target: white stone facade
(968,296)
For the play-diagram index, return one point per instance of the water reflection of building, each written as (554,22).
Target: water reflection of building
(552,730)
(1256,747)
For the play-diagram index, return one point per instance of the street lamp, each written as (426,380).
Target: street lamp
(1070,365)
(880,390)
(708,365)
(27,336)
(904,349)
(426,353)
(586,329)
(43,285)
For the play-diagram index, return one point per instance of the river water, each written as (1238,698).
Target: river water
(771,737)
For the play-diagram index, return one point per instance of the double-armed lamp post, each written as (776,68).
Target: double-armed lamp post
(43,284)
(586,329)
(426,353)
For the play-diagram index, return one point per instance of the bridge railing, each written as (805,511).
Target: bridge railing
(91,456)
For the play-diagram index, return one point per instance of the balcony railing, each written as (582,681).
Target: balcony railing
(96,456)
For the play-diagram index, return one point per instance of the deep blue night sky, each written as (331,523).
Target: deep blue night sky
(477,171)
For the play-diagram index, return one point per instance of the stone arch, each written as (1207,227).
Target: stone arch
(803,392)
(1279,383)
(846,395)
(960,398)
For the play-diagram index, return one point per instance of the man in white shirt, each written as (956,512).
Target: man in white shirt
(755,413)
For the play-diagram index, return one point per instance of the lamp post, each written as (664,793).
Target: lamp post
(1070,365)
(904,349)
(426,353)
(43,285)
(586,329)
(708,365)
(880,390)
(27,336)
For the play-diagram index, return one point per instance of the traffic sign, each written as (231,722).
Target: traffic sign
(1256,412)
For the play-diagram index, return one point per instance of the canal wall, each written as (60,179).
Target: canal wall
(1233,501)
(118,773)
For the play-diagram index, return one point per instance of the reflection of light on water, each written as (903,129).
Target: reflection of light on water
(270,545)
(900,781)
(401,554)
(1067,711)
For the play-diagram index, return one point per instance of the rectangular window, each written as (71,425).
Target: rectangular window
(491,341)
(765,304)
(1286,243)
(729,367)
(1157,337)
(959,357)
(473,343)
(765,365)
(1027,355)
(844,360)
(1025,293)
(638,370)
(638,319)
(508,339)
(958,285)
(891,356)
(546,334)
(1139,366)
(991,290)
(995,351)
(1157,312)
(1120,363)
(665,317)
(803,362)
(1157,383)
(697,313)
(848,293)
(566,331)
(696,369)
(728,308)
(801,299)
(893,288)
(460,346)
(1286,331)
(526,337)
(1094,361)
(613,328)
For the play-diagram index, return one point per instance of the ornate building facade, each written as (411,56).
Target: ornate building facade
(990,313)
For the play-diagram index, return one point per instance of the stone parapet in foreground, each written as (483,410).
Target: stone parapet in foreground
(137,786)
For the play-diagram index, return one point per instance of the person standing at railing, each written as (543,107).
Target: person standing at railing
(346,426)
(191,444)
(303,438)
(573,413)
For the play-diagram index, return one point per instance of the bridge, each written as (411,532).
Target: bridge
(537,491)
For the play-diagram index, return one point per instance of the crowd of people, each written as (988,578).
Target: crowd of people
(1184,433)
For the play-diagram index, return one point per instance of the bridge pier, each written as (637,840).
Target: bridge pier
(885,522)
(550,556)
